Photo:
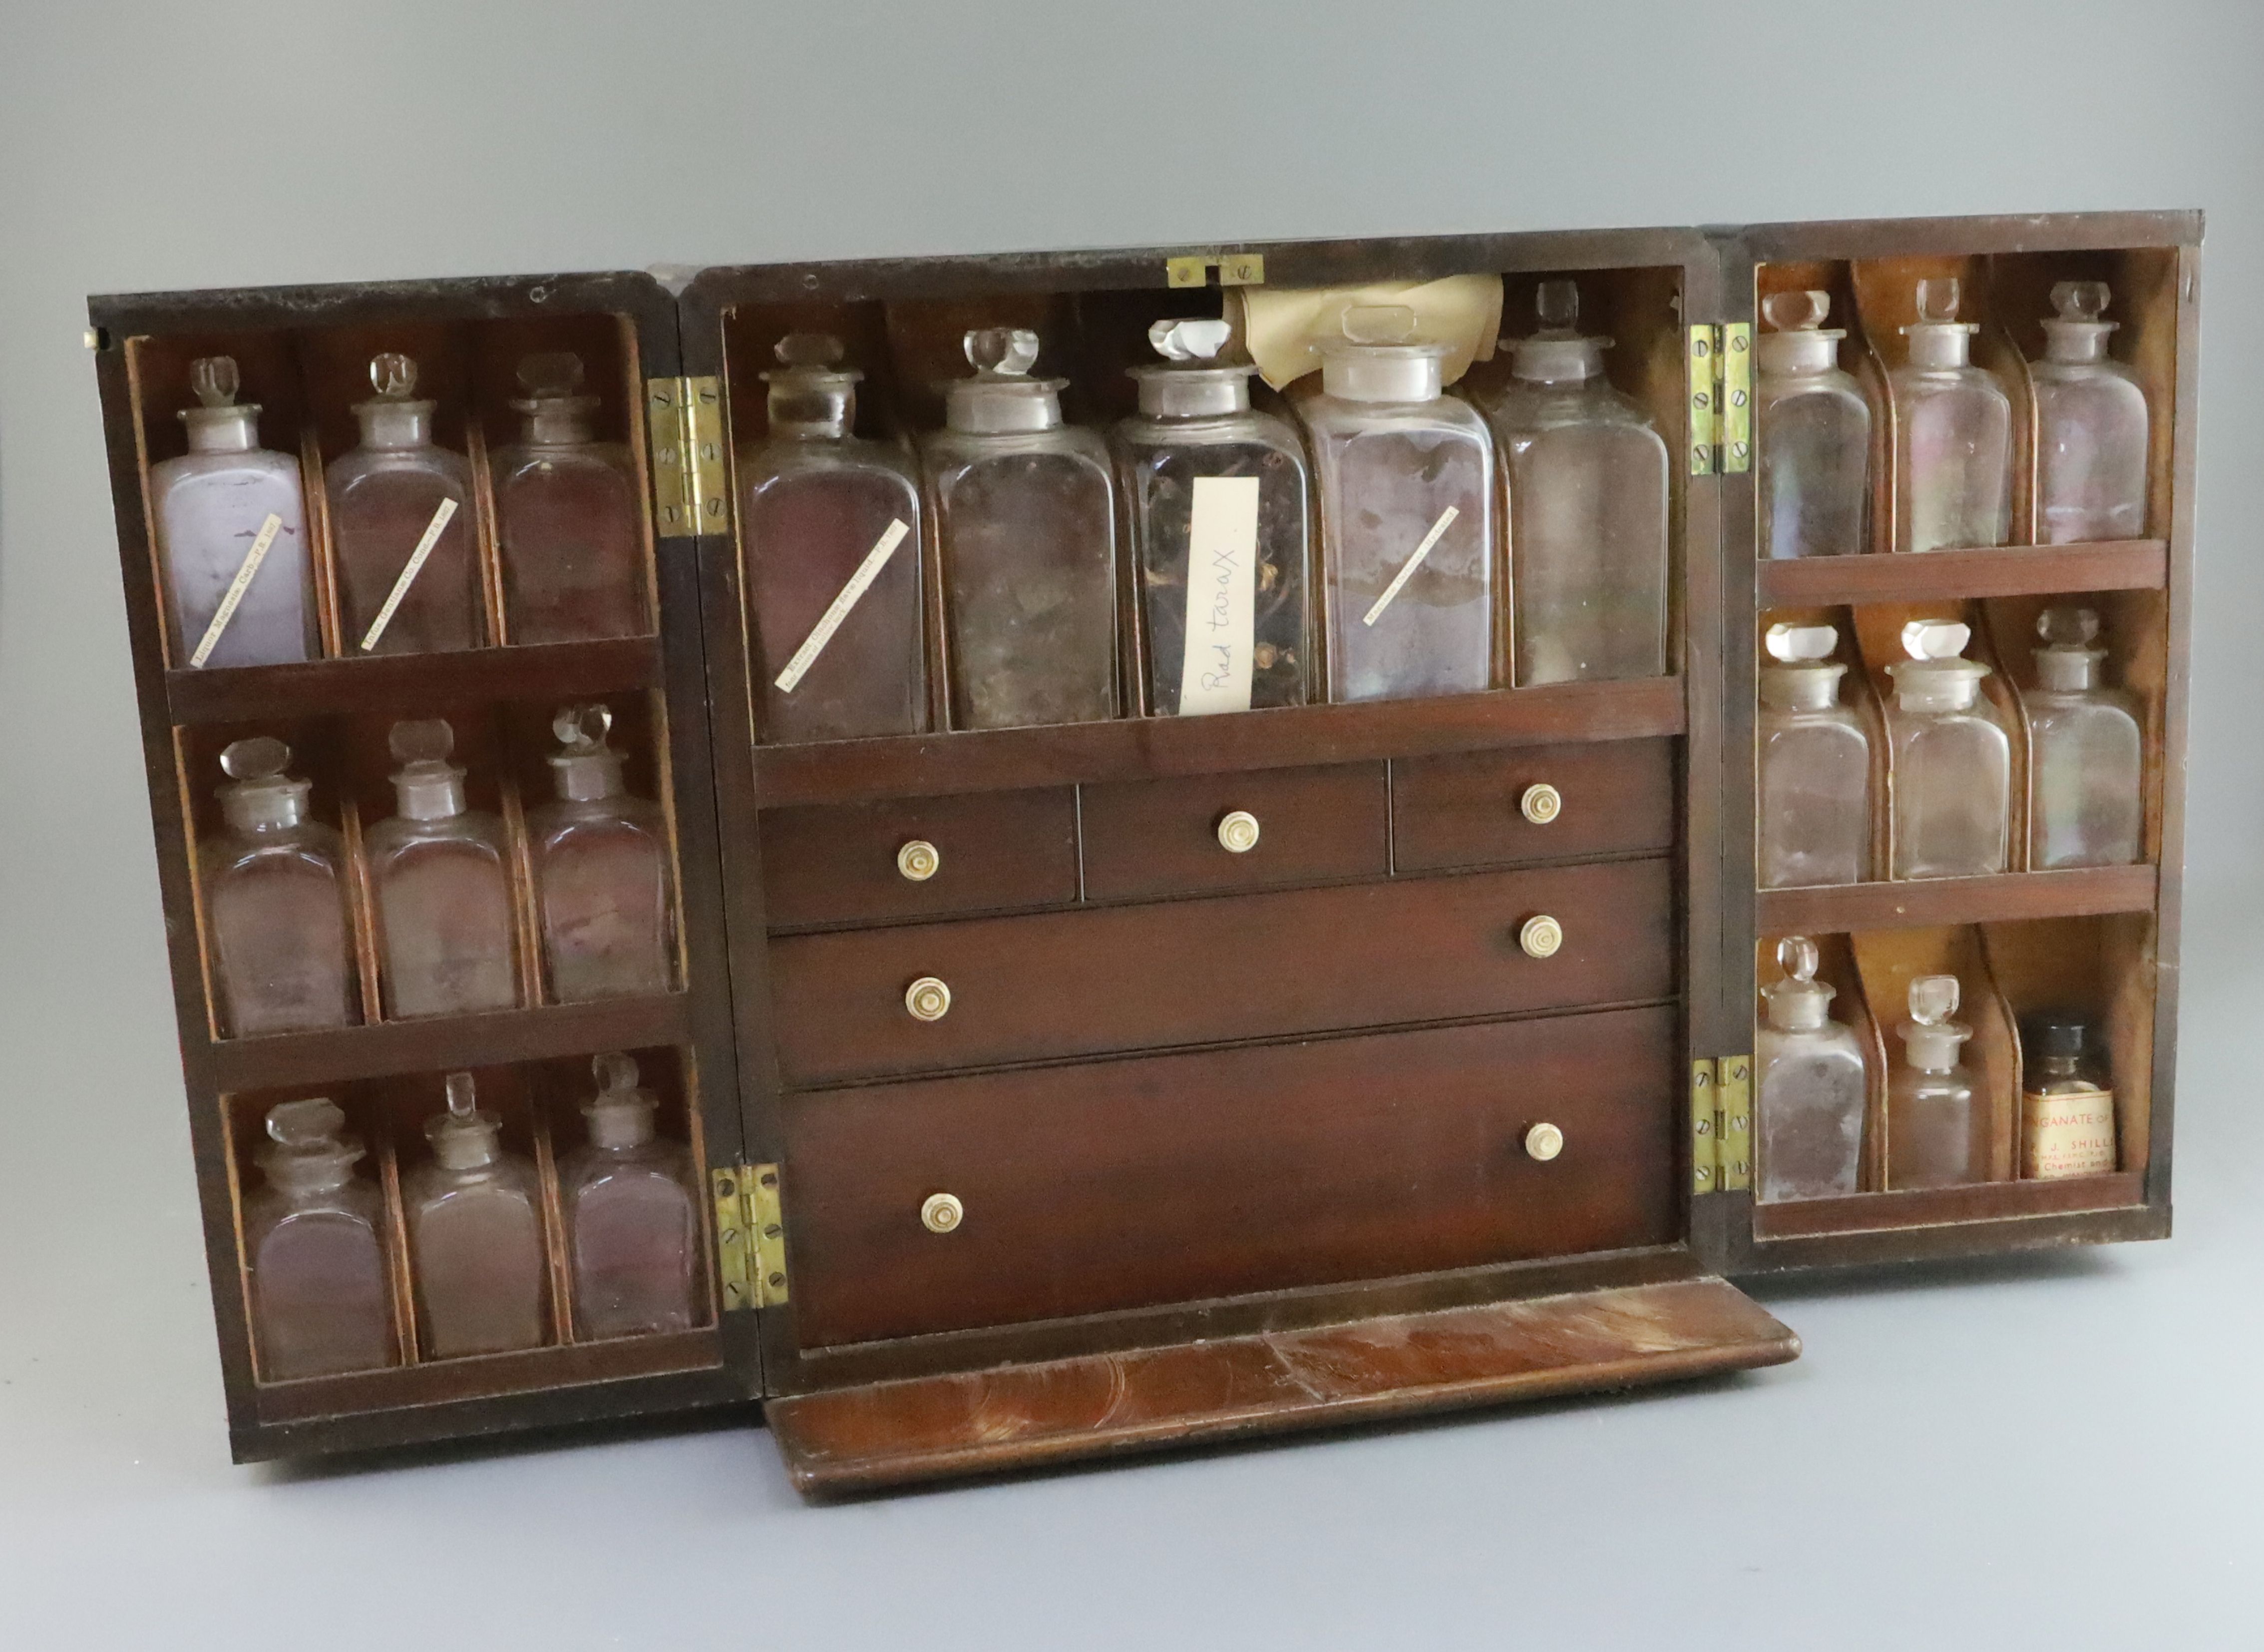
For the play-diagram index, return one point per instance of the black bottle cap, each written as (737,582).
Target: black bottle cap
(2056,1033)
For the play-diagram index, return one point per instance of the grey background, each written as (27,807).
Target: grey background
(2059,1451)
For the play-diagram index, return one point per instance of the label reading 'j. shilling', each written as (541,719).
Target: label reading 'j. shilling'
(1222,596)
(2067,1132)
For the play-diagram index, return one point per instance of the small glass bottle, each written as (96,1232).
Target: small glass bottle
(1815,824)
(2091,426)
(1810,1091)
(1937,1129)
(275,903)
(631,1222)
(1954,434)
(569,532)
(1814,432)
(1587,508)
(1215,510)
(1952,760)
(475,1236)
(2085,799)
(313,1250)
(211,507)
(830,525)
(1405,476)
(2067,1112)
(401,521)
(602,879)
(1025,531)
(443,892)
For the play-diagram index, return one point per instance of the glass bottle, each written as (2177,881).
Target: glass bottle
(1405,476)
(314,1252)
(1954,434)
(1814,432)
(1216,512)
(475,1236)
(1815,824)
(443,891)
(1809,1091)
(630,1220)
(568,527)
(602,879)
(2091,426)
(275,903)
(1952,760)
(831,531)
(1587,508)
(401,521)
(1937,1129)
(2086,785)
(1025,530)
(211,507)
(2067,1112)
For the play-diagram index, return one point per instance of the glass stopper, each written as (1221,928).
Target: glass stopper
(616,1073)
(261,758)
(1935,639)
(551,375)
(430,740)
(2080,301)
(393,376)
(1938,299)
(461,1102)
(822,349)
(1001,352)
(2067,627)
(1932,999)
(1189,340)
(214,379)
(1379,324)
(582,728)
(1797,312)
(1802,644)
(305,1124)
(1796,956)
(1557,305)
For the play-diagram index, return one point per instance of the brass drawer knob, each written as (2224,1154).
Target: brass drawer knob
(927,998)
(1544,1143)
(1238,833)
(940,1212)
(1542,803)
(919,859)
(1540,935)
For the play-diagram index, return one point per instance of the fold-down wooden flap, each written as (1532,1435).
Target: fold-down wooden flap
(1016,1416)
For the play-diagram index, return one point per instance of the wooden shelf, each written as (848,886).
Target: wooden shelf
(1934,1207)
(2006,570)
(1836,909)
(1132,748)
(407,683)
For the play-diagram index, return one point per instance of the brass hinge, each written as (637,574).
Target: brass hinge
(750,1235)
(1721,398)
(1704,426)
(1235,269)
(1705,1127)
(1722,1124)
(684,425)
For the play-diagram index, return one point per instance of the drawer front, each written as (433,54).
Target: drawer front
(994,851)
(1610,797)
(1156,837)
(1098,980)
(1171,1178)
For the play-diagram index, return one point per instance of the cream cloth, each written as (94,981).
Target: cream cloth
(1280,326)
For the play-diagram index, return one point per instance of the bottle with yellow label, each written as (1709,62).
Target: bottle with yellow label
(2067,1113)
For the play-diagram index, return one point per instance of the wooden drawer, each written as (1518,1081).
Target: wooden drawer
(1097,980)
(1611,798)
(995,851)
(1118,1184)
(1154,838)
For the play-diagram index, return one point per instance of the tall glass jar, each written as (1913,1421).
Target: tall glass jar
(1809,1089)
(442,892)
(603,885)
(1813,433)
(275,903)
(632,1221)
(474,1218)
(1954,434)
(2091,426)
(2087,777)
(1814,762)
(1938,1128)
(569,527)
(1952,760)
(313,1250)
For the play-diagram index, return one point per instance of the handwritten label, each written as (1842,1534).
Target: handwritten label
(1222,596)
(409,572)
(2067,1132)
(1407,570)
(838,610)
(234,599)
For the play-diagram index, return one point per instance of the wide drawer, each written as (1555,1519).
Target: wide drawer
(1121,1185)
(1212,833)
(990,852)
(1102,980)
(1535,803)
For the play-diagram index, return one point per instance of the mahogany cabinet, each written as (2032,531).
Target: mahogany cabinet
(1437,1097)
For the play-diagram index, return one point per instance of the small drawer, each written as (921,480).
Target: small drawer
(925,857)
(952,1203)
(1538,803)
(930,997)
(1217,832)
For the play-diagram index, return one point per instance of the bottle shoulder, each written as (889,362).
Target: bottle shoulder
(1142,435)
(522,463)
(473,831)
(1340,421)
(2066,708)
(947,450)
(309,846)
(1522,409)
(790,461)
(250,466)
(439,464)
(658,1163)
(507,1180)
(1973,384)
(1797,392)
(563,821)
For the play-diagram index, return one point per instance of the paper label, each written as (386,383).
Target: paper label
(236,587)
(2067,1132)
(838,610)
(409,572)
(1222,596)
(1407,570)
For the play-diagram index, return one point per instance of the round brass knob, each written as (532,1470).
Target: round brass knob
(1238,833)
(1544,1143)
(919,859)
(1540,935)
(940,1212)
(927,998)
(1542,803)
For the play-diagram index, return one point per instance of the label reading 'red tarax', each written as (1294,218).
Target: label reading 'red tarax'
(2067,1132)
(1222,596)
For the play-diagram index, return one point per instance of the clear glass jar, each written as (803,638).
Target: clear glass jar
(275,903)
(1937,1126)
(1815,767)
(2067,1102)
(569,527)
(631,1224)
(393,498)
(1809,1086)
(474,1216)
(1952,760)
(1813,431)
(1954,434)
(2091,426)
(603,884)
(831,526)
(313,1252)
(439,872)
(2086,799)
